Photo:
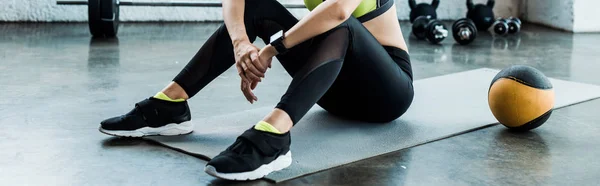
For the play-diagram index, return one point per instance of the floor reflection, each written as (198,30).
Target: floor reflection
(522,155)
(103,64)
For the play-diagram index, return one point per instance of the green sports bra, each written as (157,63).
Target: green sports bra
(366,10)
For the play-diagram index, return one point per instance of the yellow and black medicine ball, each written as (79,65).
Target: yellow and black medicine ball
(521,97)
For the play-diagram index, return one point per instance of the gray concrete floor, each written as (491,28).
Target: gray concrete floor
(57,84)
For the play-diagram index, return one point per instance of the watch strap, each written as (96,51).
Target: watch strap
(277,43)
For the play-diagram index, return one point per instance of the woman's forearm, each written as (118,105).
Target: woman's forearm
(233,15)
(323,18)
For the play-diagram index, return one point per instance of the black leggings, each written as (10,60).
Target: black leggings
(346,70)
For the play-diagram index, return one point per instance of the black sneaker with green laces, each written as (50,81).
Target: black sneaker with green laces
(253,155)
(151,117)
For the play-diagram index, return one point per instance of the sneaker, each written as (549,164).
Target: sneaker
(253,155)
(151,117)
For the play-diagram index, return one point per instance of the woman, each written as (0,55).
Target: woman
(347,56)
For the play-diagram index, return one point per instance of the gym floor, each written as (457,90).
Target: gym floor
(57,84)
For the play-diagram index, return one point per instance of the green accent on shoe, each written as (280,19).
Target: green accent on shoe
(264,126)
(164,97)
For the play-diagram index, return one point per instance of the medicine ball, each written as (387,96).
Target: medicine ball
(521,98)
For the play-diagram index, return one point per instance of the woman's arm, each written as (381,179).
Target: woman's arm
(323,18)
(244,51)
(233,15)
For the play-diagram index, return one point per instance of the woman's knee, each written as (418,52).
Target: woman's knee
(352,24)
(263,5)
(257,2)
(348,24)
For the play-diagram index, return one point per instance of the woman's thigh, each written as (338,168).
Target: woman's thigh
(375,82)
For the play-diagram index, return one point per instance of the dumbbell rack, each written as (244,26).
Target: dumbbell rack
(103,15)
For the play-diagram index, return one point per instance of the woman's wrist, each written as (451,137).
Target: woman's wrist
(239,40)
(270,50)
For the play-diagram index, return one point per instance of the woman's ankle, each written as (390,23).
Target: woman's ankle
(280,120)
(174,91)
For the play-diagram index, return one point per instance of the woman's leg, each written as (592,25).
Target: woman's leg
(256,152)
(313,76)
(375,83)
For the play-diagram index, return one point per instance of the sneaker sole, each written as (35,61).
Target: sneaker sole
(280,163)
(172,129)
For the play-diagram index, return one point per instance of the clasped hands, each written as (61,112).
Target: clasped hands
(252,63)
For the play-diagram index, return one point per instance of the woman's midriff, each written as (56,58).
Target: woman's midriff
(386,29)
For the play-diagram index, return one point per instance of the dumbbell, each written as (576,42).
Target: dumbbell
(503,27)
(514,25)
(481,14)
(464,31)
(500,27)
(424,27)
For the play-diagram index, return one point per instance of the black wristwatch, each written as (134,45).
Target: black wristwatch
(277,42)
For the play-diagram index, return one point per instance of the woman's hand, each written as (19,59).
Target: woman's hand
(245,53)
(265,57)
(246,57)
(247,88)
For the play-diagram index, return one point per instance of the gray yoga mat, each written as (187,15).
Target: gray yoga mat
(443,106)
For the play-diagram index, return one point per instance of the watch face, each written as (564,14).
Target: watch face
(276,36)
